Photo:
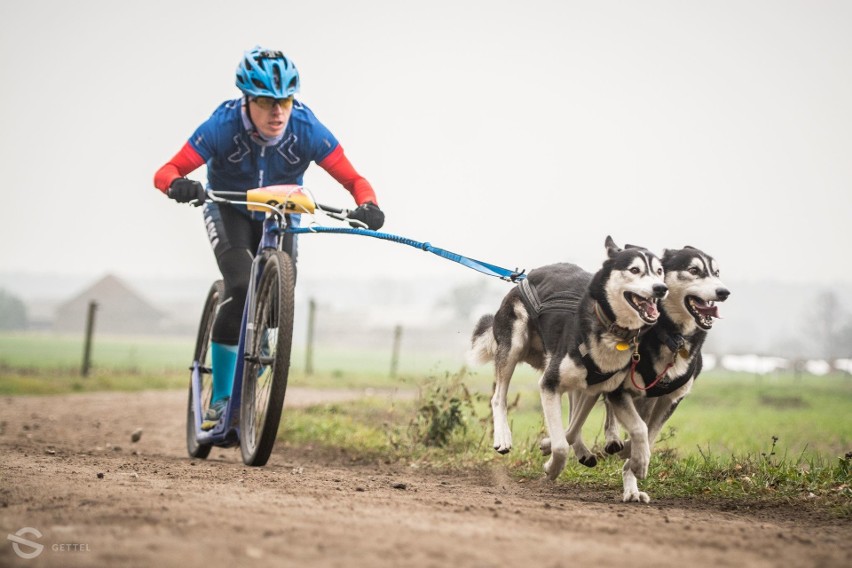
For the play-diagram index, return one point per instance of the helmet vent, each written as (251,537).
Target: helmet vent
(276,77)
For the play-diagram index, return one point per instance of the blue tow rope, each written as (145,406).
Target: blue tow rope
(478,265)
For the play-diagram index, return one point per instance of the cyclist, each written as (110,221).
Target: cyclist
(266,137)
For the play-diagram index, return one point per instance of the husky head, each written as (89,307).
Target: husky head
(694,288)
(629,284)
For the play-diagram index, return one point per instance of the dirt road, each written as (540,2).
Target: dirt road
(152,506)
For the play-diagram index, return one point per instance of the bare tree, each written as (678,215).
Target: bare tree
(829,324)
(13,312)
(462,299)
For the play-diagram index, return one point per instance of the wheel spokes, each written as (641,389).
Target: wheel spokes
(263,365)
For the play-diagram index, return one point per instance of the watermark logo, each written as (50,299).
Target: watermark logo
(24,547)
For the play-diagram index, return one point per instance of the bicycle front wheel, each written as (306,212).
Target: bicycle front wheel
(267,362)
(201,357)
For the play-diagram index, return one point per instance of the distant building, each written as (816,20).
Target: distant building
(120,310)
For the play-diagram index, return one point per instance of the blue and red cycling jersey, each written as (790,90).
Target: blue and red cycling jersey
(239,159)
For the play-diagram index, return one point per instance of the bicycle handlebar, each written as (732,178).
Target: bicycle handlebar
(279,209)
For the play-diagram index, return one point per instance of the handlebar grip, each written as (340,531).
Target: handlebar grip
(329,209)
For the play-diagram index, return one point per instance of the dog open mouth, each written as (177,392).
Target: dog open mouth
(702,311)
(647,308)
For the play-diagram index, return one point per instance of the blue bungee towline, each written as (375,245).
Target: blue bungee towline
(478,265)
(294,199)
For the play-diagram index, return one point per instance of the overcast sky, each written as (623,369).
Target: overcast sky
(518,133)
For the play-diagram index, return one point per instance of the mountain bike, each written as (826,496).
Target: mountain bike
(253,412)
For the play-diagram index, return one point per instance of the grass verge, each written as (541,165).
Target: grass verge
(449,427)
(28,381)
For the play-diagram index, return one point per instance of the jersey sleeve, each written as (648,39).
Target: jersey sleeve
(340,168)
(182,163)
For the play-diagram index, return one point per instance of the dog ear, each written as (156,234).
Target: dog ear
(611,247)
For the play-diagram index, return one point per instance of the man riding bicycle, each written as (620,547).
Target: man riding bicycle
(266,137)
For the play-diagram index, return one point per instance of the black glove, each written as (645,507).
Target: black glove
(185,190)
(369,214)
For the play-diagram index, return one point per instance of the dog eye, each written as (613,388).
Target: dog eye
(694,270)
(635,270)
(659,272)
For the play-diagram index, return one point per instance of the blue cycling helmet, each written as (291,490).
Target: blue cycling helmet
(267,73)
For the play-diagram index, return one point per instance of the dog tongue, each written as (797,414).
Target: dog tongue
(651,310)
(708,310)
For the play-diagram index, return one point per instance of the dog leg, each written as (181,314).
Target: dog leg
(551,404)
(661,413)
(612,433)
(499,410)
(631,488)
(655,413)
(581,405)
(508,352)
(640,453)
(645,407)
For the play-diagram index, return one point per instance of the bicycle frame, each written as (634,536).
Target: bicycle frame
(226,433)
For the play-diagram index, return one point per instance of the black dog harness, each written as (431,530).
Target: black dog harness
(676,343)
(559,302)
(563,304)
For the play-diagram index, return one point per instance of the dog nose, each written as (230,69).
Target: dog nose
(722,294)
(660,290)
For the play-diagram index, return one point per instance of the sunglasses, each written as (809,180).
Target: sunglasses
(267,103)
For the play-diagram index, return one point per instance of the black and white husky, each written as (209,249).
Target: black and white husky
(581,330)
(669,357)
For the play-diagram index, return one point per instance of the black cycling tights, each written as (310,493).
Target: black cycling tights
(235,238)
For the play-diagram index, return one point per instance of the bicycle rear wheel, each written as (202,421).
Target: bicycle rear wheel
(202,356)
(267,363)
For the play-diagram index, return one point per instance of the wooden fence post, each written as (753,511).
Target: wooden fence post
(90,329)
(309,348)
(397,339)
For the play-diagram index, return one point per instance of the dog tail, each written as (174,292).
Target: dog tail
(482,343)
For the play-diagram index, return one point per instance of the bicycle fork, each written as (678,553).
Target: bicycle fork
(271,240)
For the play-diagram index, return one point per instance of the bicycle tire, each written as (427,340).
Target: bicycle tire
(202,355)
(267,362)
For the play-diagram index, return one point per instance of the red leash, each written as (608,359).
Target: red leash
(655,381)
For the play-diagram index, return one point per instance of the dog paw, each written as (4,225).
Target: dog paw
(503,443)
(635,497)
(584,454)
(614,447)
(544,446)
(589,461)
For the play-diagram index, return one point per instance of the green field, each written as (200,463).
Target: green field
(735,413)
(332,366)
